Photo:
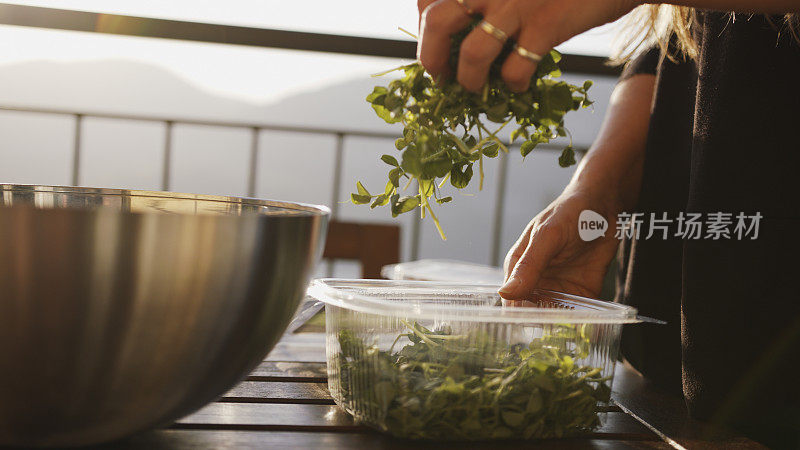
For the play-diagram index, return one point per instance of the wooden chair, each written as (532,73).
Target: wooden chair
(373,245)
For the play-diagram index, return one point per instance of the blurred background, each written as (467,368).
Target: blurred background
(121,108)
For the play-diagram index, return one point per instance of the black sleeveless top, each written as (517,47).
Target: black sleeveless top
(724,137)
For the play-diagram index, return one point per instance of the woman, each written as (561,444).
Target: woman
(703,123)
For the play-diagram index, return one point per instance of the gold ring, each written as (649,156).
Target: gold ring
(466,7)
(527,54)
(493,31)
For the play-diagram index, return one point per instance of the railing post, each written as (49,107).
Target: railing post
(499,207)
(167,155)
(253,173)
(76,151)
(336,190)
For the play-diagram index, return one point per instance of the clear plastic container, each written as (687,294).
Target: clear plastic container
(431,360)
(443,270)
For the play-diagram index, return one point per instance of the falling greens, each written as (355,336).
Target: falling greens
(468,387)
(448,130)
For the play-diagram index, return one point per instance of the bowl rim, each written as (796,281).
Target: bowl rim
(355,295)
(299,208)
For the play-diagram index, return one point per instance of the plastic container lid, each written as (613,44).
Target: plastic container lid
(443,270)
(469,302)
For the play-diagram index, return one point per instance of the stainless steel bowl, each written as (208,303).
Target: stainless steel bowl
(124,310)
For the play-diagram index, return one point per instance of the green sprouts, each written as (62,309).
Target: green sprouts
(470,386)
(448,131)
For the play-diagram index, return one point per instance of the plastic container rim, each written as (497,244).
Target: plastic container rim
(331,292)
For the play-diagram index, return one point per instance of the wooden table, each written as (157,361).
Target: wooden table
(285,404)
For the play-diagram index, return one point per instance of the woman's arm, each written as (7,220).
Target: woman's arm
(616,156)
(549,253)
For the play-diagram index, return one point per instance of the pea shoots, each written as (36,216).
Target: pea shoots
(447,130)
(443,385)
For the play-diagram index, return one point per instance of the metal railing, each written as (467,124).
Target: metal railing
(81,21)
(252,173)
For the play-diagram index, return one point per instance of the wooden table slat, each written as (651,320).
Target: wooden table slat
(315,372)
(225,439)
(279,392)
(270,416)
(275,416)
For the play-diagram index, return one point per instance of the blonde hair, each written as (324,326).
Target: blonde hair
(649,25)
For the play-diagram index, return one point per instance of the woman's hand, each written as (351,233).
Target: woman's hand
(536,25)
(551,255)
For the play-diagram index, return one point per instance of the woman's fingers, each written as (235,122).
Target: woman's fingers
(542,247)
(516,251)
(422,4)
(483,44)
(439,20)
(521,64)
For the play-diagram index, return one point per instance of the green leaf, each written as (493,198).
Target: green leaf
(444,200)
(535,402)
(411,162)
(513,418)
(437,165)
(491,150)
(548,66)
(394,176)
(392,102)
(470,141)
(360,199)
(377,95)
(402,205)
(567,157)
(560,97)
(380,200)
(545,382)
(587,84)
(362,190)
(385,114)
(390,160)
(384,393)
(426,187)
(521,107)
(460,175)
(534,140)
(498,112)
(400,143)
(527,147)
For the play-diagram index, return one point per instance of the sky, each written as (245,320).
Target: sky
(247,74)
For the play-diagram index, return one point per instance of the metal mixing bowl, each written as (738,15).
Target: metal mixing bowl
(124,310)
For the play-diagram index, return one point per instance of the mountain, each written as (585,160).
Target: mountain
(129,87)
